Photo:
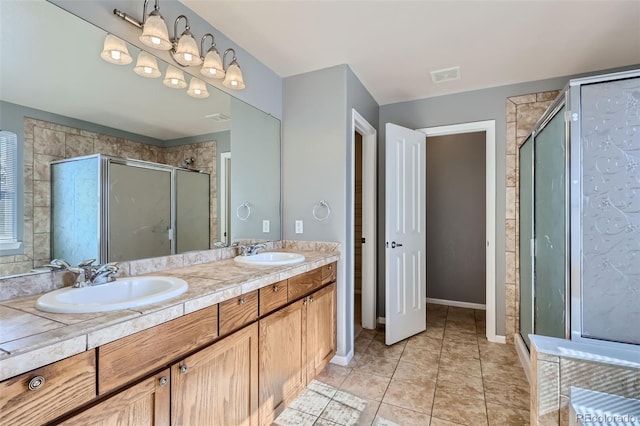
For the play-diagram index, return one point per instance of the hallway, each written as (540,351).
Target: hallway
(447,375)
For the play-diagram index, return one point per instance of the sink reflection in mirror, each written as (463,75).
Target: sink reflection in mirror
(125,293)
(273,258)
(96,107)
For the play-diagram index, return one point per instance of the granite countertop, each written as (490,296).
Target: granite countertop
(30,338)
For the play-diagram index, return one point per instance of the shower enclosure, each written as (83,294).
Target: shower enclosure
(580,214)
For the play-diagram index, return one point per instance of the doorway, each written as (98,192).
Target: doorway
(488,127)
(225,198)
(357,233)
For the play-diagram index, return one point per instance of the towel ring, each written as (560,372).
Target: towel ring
(322,204)
(239,210)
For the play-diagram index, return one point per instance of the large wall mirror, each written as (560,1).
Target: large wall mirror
(61,101)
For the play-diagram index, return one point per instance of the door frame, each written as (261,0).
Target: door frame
(224,219)
(369,219)
(489,127)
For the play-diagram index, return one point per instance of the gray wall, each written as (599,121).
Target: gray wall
(477,105)
(456,217)
(264,87)
(316,165)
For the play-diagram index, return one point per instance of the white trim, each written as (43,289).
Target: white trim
(456,303)
(498,339)
(489,127)
(342,360)
(369,210)
(523,354)
(224,156)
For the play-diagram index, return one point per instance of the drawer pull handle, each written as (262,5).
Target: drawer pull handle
(183,369)
(163,381)
(242,301)
(36,383)
(276,288)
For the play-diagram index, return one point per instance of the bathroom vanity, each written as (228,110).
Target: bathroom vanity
(242,343)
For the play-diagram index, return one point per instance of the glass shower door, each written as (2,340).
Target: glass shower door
(550,265)
(526,236)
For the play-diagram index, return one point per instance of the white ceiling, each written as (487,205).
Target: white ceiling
(392,46)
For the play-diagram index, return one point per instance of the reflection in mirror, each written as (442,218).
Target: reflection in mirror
(67,102)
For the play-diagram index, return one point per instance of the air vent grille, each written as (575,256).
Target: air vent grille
(446,74)
(218,117)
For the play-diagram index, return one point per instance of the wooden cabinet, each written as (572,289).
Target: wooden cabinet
(46,393)
(219,384)
(131,357)
(303,284)
(282,373)
(273,297)
(237,312)
(146,403)
(321,329)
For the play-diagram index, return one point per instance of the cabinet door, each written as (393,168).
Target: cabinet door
(218,385)
(146,403)
(321,330)
(282,373)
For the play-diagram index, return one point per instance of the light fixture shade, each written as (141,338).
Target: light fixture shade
(155,33)
(212,66)
(115,51)
(233,78)
(174,78)
(187,52)
(147,65)
(197,88)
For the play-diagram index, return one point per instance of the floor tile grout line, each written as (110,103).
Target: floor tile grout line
(435,389)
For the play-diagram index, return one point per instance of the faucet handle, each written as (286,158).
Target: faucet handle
(86,263)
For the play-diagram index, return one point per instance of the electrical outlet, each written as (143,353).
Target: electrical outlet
(265,225)
(299,227)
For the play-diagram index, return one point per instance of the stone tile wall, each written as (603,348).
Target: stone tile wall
(522,114)
(45,142)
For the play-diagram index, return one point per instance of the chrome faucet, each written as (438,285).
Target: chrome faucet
(251,249)
(91,275)
(104,273)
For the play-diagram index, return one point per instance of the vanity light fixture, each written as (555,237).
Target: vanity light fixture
(115,51)
(183,49)
(212,66)
(233,75)
(147,65)
(174,78)
(197,88)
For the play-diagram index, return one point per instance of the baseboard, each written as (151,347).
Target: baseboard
(523,354)
(342,360)
(497,339)
(457,304)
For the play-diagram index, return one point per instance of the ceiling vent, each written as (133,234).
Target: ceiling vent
(219,117)
(446,74)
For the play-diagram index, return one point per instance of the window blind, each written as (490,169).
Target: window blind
(8,187)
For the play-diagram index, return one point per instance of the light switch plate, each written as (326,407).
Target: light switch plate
(299,227)
(265,225)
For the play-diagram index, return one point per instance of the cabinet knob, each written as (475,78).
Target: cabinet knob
(276,288)
(331,267)
(183,369)
(242,301)
(163,380)
(310,299)
(36,383)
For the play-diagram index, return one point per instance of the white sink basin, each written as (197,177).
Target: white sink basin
(272,258)
(120,294)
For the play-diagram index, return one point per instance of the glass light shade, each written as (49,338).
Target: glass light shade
(187,52)
(147,65)
(115,51)
(197,88)
(233,79)
(174,78)
(155,33)
(212,66)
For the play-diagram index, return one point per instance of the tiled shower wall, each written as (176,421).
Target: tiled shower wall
(522,114)
(45,142)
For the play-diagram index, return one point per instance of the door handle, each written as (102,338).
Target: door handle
(394,244)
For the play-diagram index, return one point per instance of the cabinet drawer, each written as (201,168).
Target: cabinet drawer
(134,356)
(329,273)
(273,296)
(304,284)
(237,312)
(67,384)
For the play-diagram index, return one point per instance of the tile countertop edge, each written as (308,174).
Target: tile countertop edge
(18,362)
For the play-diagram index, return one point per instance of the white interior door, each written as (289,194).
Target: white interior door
(405,229)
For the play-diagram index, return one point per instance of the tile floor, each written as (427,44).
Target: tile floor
(447,375)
